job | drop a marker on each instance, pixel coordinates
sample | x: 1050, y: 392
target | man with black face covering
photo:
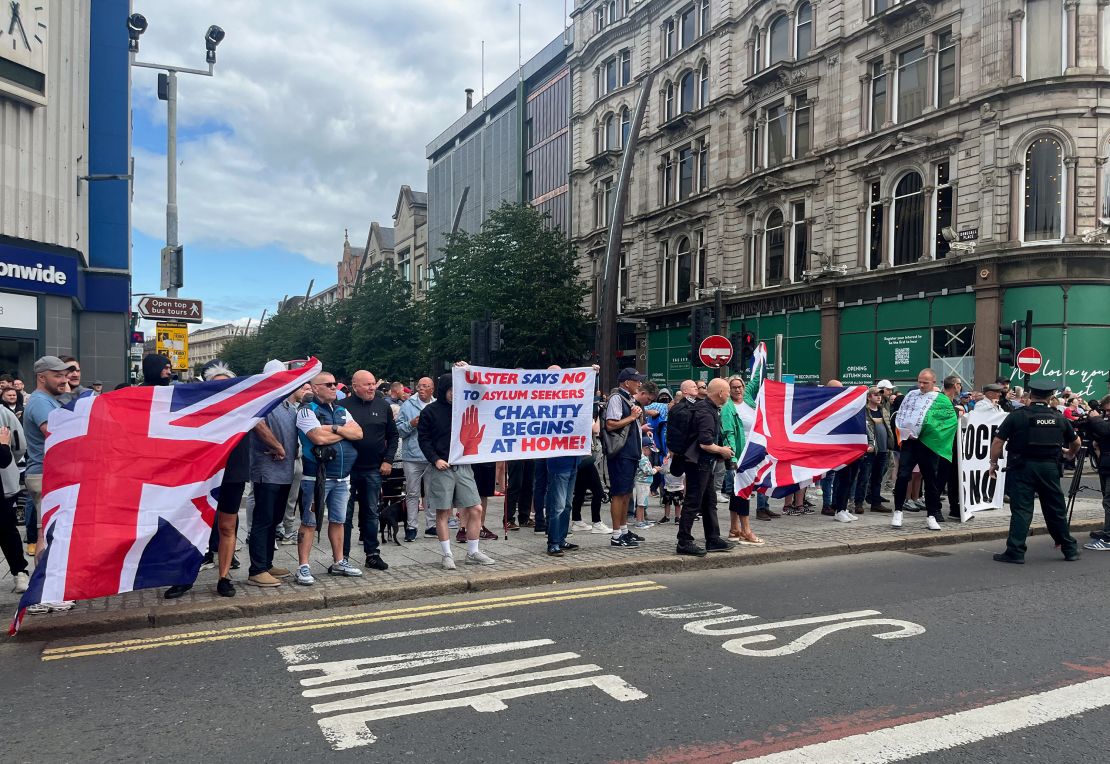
x: 449, y: 485
x: 156, y: 371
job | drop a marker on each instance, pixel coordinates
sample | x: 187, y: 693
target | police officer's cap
x: 1042, y: 387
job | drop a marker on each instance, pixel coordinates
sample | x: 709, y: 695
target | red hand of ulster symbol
x: 471, y: 433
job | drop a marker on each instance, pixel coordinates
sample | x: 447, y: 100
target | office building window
x: 610, y: 132
x: 943, y: 212
x: 878, y: 95
x: 703, y: 85
x: 1044, y: 190
x: 666, y: 275
x: 687, y: 23
x: 704, y: 16
x: 700, y: 259
x: 626, y: 126
x: 686, y: 92
x: 946, y: 68
x: 803, y: 31
x: 909, y: 219
x: 604, y: 207
x: 703, y: 166
x: 668, y: 179
x: 803, y: 126
x: 911, y: 84
x: 775, y: 245
x: 668, y: 102
x: 778, y: 40
x: 684, y: 269
x: 875, y: 226
x: 1045, y: 26
x: 669, y: 38
x: 776, y: 134
x: 626, y: 66
x: 610, y: 75
x: 800, y: 235
x: 685, y: 172
x: 757, y: 53
x: 623, y: 289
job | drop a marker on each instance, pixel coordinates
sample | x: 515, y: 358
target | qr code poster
x: 903, y: 354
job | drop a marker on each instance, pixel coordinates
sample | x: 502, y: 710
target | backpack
x: 678, y: 426
x: 613, y: 442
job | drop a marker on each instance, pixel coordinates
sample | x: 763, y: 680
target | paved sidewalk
x: 521, y: 561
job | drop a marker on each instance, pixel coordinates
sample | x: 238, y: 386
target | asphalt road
x: 636, y: 670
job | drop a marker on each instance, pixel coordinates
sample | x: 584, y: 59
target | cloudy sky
x: 318, y: 112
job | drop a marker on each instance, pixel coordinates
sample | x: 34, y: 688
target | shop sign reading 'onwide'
x: 171, y: 309
x: 40, y: 272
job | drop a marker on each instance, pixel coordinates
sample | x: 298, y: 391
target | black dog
x: 390, y: 515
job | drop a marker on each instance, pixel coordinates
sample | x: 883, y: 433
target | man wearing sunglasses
x: 328, y: 426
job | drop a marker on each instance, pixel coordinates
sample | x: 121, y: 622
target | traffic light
x: 735, y: 365
x: 1008, y: 341
x: 495, y: 341
x: 746, y: 349
x: 701, y: 326
x: 479, y: 343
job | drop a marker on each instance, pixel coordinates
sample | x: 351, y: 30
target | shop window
x: 1043, y: 183
x: 909, y: 219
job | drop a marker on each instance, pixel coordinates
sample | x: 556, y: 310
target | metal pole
x: 171, y: 171
x: 607, y: 311
x: 778, y: 358
x: 1029, y: 341
x: 719, y: 313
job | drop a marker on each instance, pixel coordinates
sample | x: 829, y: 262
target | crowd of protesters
x: 342, y: 451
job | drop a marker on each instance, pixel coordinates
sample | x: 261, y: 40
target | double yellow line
x: 331, y: 622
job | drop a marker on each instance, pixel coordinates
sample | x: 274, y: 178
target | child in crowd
x: 674, y: 491
x: 645, y: 472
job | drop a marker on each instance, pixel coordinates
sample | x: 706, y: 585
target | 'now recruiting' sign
x: 503, y: 414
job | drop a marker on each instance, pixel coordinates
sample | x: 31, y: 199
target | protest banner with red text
x: 504, y: 414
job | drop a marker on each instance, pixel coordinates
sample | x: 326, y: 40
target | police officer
x: 1038, y: 436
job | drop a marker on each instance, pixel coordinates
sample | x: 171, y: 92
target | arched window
x: 668, y: 102
x: 686, y: 92
x: 610, y: 132
x: 703, y: 86
x: 684, y: 270
x: 626, y: 126
x: 776, y: 248
x: 909, y: 219
x: 803, y: 30
x: 1044, y: 190
x: 778, y: 40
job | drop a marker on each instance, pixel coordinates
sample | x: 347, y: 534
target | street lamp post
x: 173, y: 266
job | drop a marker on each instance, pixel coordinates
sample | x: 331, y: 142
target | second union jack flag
x: 131, y: 478
x: 799, y: 434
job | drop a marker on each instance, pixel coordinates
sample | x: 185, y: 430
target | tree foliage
x: 514, y: 270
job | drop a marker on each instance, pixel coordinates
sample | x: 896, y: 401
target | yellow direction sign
x: 172, y: 341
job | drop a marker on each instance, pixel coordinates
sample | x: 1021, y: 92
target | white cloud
x: 318, y: 111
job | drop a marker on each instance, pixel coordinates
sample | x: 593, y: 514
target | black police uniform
x: 1035, y: 435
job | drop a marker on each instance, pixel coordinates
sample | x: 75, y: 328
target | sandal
x: 751, y: 540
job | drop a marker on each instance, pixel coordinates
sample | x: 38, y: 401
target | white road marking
x: 941, y: 733
x: 739, y: 646
x: 693, y: 610
x: 702, y: 626
x: 308, y: 651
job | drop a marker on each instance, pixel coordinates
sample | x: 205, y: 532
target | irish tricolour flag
x: 931, y: 418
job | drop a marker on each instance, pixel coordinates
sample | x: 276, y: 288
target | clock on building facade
x: 23, y: 49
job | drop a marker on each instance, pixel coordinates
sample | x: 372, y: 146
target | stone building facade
x: 403, y: 246
x: 883, y: 183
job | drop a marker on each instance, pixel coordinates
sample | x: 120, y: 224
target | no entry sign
x: 1029, y: 360
x: 715, y: 351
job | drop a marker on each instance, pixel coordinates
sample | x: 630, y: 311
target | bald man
x: 703, y: 453
x: 417, y: 468
x: 376, y: 452
x: 678, y: 425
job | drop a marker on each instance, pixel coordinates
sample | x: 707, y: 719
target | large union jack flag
x: 131, y: 478
x: 798, y: 435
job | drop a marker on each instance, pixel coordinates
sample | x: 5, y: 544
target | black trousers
x: 588, y: 479
x: 518, y: 492
x: 915, y: 454
x: 10, y: 542
x: 951, y: 476
x: 842, y: 486
x: 701, y: 496
x: 269, y: 510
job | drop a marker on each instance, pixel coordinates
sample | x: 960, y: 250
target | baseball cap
x: 884, y: 383
x: 52, y: 363
x: 629, y: 373
x: 649, y: 442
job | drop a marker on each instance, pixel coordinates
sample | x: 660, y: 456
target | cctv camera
x: 136, y: 25
x: 949, y: 234
x: 213, y: 37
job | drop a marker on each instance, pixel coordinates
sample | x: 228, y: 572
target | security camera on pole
x: 173, y: 255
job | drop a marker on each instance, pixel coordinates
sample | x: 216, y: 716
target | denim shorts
x: 336, y: 493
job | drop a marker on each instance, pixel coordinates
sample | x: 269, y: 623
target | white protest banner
x: 978, y: 490
x: 503, y: 414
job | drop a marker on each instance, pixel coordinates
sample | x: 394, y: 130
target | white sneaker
x: 582, y: 527
x: 453, y: 523
x: 479, y: 558
x: 896, y: 519
x: 842, y: 517
x: 51, y: 607
x: 448, y: 562
x: 600, y: 527
x: 304, y: 576
x: 932, y: 524
x: 22, y: 581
